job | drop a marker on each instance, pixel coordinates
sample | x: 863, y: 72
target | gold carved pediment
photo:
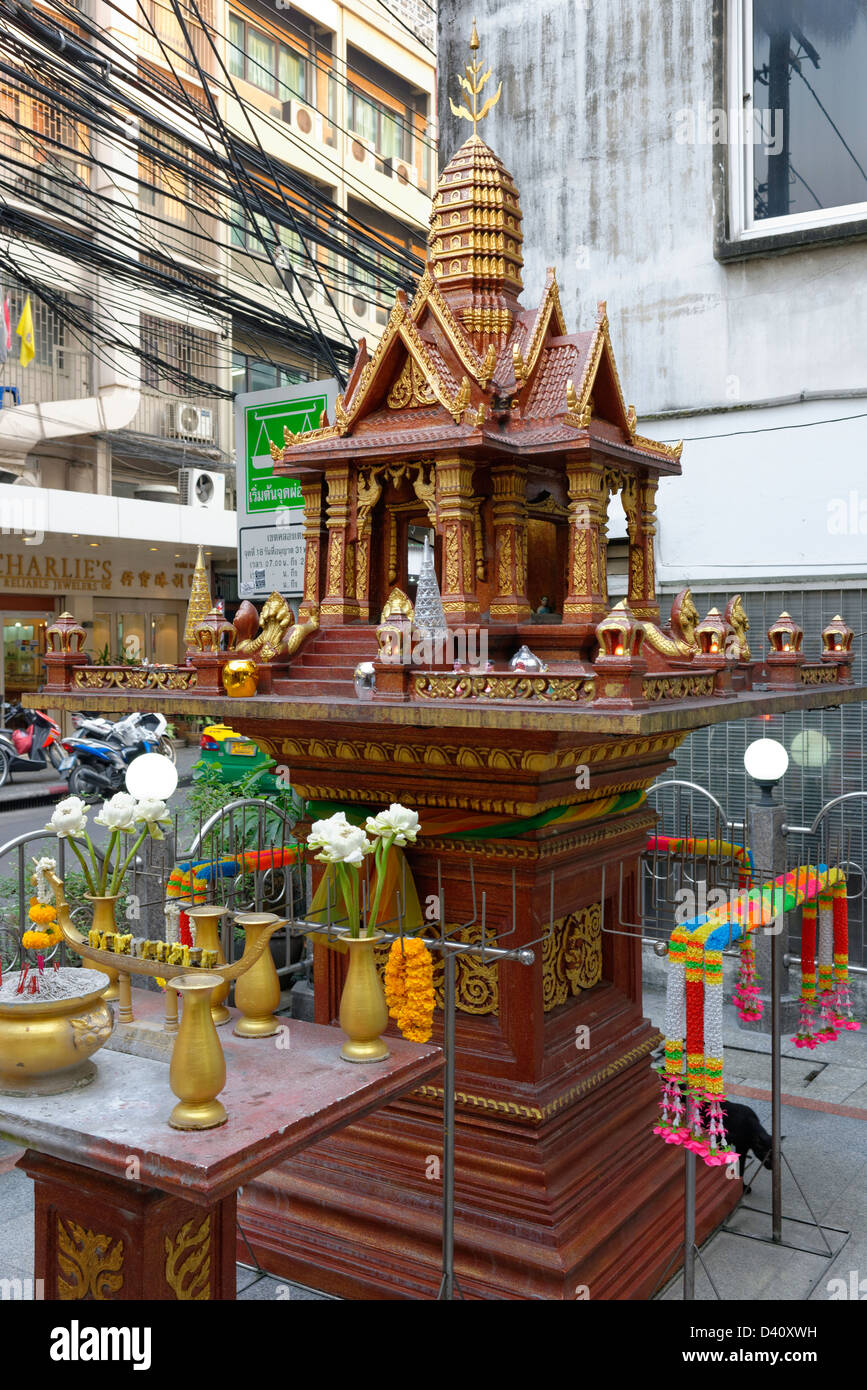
x: 411, y: 389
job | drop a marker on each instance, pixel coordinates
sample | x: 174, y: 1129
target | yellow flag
x: 25, y: 333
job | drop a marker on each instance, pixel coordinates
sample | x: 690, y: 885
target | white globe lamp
x: 151, y: 777
x: 766, y: 762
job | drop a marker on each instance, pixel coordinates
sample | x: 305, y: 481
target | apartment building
x: 199, y: 197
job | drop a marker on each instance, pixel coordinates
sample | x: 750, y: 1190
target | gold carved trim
x: 89, y: 1265
x: 572, y: 957
x: 677, y: 687
x: 188, y: 1261
x: 501, y: 687
x: 515, y: 1110
x: 477, y: 983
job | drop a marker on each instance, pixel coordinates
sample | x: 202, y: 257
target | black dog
x: 746, y: 1134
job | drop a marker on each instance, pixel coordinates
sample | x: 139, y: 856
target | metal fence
x: 826, y: 747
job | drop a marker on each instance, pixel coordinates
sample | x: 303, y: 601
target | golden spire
x: 472, y: 84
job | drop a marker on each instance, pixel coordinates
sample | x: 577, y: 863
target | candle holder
x: 197, y: 1073
x: 207, y: 919
x: 257, y: 993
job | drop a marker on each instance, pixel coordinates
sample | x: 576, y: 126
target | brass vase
x: 257, y: 993
x: 363, y: 1011
x: 103, y: 921
x: 207, y: 920
x: 197, y: 1073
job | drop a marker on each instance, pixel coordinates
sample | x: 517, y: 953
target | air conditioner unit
x: 360, y: 307
x: 189, y: 421
x: 402, y: 172
x: 202, y: 489
x: 362, y: 151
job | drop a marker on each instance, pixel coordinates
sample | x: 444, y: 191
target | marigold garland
x: 409, y: 991
x: 42, y: 914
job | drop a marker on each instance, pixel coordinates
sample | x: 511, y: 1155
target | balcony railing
x: 65, y: 375
x: 195, y: 420
x: 168, y: 35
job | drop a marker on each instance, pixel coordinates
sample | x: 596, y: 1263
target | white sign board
x: 270, y: 508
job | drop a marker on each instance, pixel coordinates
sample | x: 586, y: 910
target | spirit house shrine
x: 489, y: 435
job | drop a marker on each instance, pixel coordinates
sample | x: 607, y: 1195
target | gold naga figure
x: 273, y: 634
x: 679, y: 640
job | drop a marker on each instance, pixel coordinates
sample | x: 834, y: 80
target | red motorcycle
x: 29, y: 741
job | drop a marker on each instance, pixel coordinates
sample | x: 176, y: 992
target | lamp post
x: 766, y: 762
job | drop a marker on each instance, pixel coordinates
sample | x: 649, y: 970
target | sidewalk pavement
x: 42, y: 788
x: 825, y: 1141
x: 824, y: 1126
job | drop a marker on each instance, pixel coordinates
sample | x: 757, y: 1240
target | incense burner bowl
x: 46, y: 1044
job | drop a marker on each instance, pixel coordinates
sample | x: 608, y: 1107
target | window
x: 236, y: 46
x: 387, y: 130
x: 259, y: 59
x: 254, y: 234
x: 798, y: 153
x: 252, y: 374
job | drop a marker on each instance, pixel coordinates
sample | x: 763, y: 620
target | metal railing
x: 64, y: 375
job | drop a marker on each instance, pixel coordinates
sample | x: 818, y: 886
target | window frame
x: 247, y: 63
x: 401, y: 119
x: 738, y: 234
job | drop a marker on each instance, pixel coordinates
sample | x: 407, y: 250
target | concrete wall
x: 593, y: 92
x: 587, y: 126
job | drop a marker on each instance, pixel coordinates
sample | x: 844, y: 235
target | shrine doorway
x: 547, y: 556
x: 405, y: 525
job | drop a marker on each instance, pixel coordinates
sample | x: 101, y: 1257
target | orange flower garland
x: 43, y: 914
x: 409, y: 991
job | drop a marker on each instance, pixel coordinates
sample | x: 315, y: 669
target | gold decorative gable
x: 411, y: 389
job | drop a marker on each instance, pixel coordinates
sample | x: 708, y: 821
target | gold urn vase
x: 363, y: 1011
x: 197, y: 1073
x: 257, y: 993
x: 46, y: 1044
x: 103, y: 921
x: 207, y: 919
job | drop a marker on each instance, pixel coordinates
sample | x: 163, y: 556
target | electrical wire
x: 203, y: 293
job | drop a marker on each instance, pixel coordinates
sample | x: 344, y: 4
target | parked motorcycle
x: 128, y: 730
x: 97, y: 767
x: 29, y: 742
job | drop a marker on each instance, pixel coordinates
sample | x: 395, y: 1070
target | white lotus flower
x: 119, y: 813
x: 338, y: 841
x: 398, y: 824
x: 69, y: 819
x: 153, y: 812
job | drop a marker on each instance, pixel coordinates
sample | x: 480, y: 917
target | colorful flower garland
x: 409, y: 991
x: 693, y: 1090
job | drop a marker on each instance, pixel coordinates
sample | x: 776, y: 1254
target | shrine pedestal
x: 561, y: 1186
x: 129, y: 1209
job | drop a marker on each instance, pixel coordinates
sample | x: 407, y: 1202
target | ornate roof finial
x: 472, y: 85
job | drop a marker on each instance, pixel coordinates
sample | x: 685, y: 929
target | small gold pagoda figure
x: 200, y: 601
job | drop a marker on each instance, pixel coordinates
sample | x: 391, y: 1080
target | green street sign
x: 263, y: 425
x: 270, y: 512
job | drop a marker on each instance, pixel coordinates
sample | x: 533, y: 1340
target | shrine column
x: 510, y: 603
x: 642, y: 529
x: 586, y: 579
x: 455, y: 523
x: 368, y: 491
x: 339, y: 605
x: 314, y: 547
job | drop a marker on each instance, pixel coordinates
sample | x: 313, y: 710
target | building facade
x: 703, y: 166
x: 198, y: 199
